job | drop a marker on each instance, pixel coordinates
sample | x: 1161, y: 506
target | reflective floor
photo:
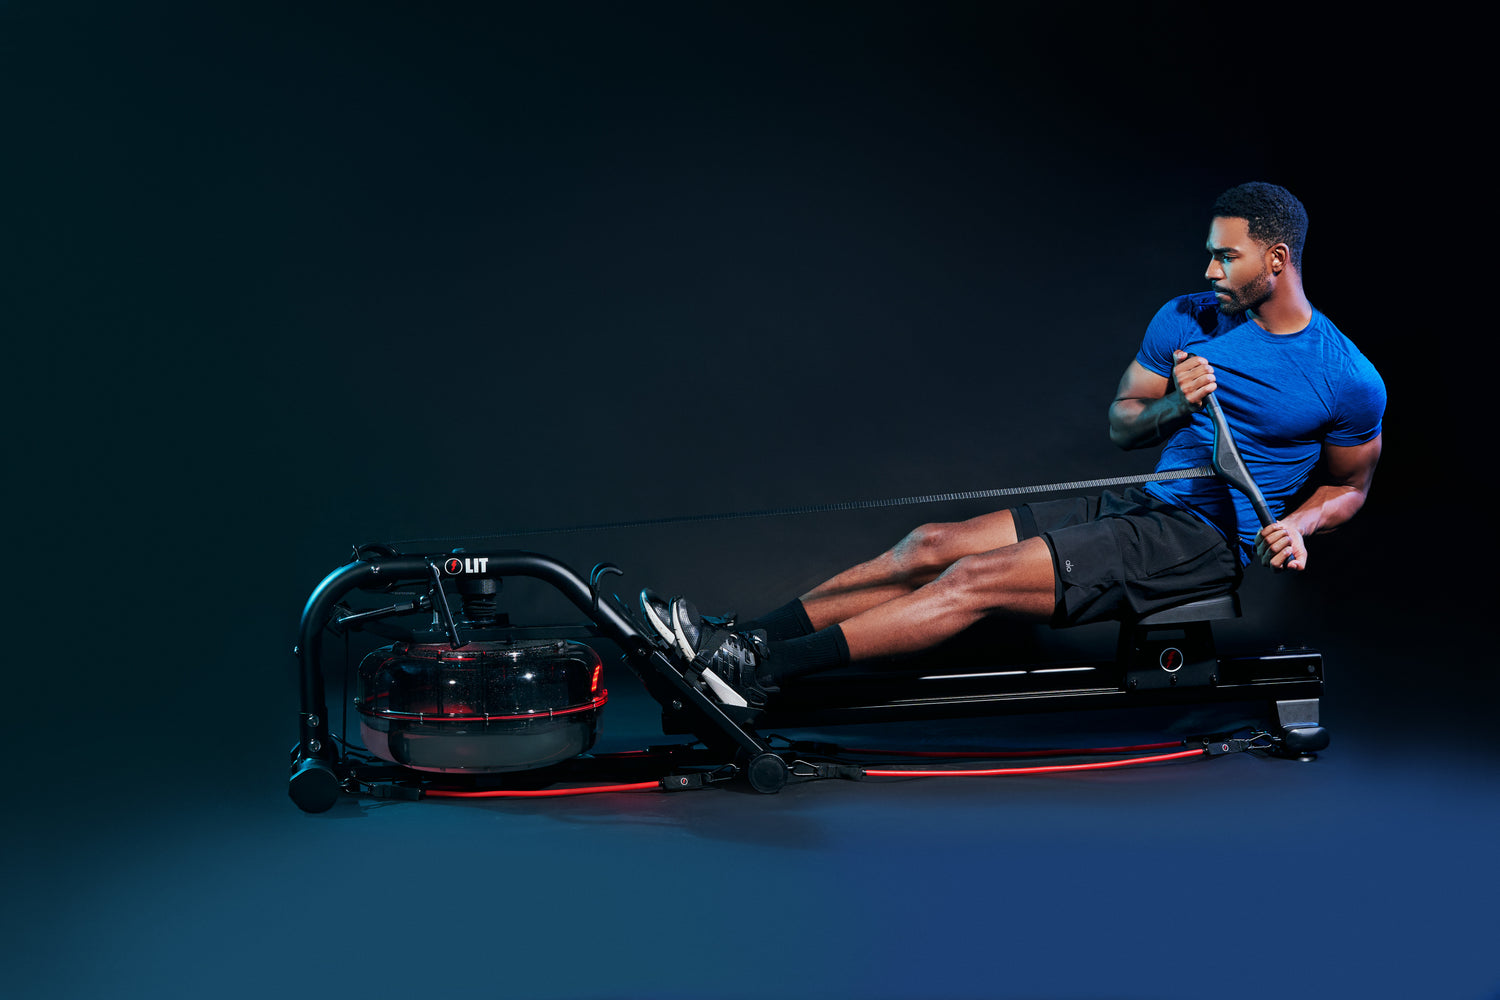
x: 1370, y: 872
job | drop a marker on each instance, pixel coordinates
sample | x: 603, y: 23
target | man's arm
x: 1149, y: 408
x: 1347, y: 473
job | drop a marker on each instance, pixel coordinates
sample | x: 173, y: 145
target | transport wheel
x: 766, y: 773
x: 314, y: 786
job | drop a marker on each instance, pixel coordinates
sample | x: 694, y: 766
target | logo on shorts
x: 1068, y: 565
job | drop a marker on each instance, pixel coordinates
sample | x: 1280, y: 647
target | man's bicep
x: 1352, y: 465
x: 1140, y: 382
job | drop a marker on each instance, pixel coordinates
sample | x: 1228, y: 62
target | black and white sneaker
x: 658, y: 615
x: 657, y: 612
x: 729, y: 661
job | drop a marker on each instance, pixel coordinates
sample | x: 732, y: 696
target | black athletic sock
x: 808, y: 654
x: 789, y: 621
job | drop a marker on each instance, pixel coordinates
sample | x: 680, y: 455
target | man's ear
x: 1281, y: 255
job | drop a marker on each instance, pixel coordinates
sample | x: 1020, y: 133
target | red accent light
x: 544, y: 793
x: 598, y: 702
x: 999, y: 754
x: 597, y: 676
x: 1097, y: 766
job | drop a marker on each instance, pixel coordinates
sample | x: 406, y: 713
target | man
x: 1297, y: 394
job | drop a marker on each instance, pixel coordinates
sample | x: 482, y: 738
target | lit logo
x: 454, y: 566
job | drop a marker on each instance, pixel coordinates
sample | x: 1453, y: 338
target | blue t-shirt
x: 1284, y: 396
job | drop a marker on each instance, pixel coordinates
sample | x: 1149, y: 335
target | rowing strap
x: 1200, y: 472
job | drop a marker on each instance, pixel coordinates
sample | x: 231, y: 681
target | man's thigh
x: 984, y: 533
x: 1132, y: 556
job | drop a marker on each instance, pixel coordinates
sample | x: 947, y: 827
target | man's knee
x: 971, y: 575
x: 925, y: 550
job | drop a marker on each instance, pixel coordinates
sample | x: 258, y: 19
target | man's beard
x: 1247, y: 298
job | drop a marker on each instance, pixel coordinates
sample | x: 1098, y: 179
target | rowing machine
x: 474, y: 695
x: 469, y: 696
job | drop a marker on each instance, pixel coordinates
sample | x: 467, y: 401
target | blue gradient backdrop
x: 286, y: 277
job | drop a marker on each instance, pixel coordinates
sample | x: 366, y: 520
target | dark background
x: 287, y: 278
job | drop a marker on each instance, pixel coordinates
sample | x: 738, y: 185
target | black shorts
x: 1126, y: 555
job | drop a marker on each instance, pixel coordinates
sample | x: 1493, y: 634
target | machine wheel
x: 766, y: 773
x: 314, y: 786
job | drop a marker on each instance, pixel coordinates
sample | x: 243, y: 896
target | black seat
x: 1209, y: 609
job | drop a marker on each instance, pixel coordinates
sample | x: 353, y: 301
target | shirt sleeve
x: 1164, y: 334
x: 1361, y: 406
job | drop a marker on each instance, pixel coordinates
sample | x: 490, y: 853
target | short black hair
x: 1274, y: 213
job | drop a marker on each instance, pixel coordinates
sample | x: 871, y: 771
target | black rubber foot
x: 314, y: 786
x: 1304, y: 740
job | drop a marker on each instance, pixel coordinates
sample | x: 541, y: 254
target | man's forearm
x: 1326, y: 509
x: 1141, y: 423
